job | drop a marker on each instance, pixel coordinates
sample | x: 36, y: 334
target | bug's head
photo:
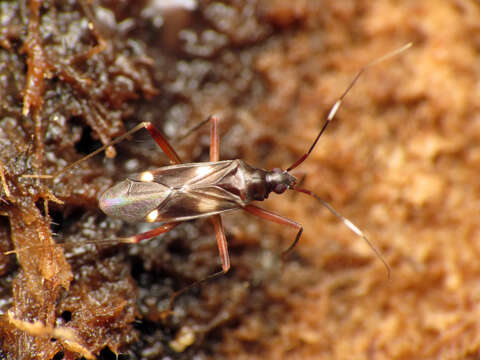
x: 280, y: 180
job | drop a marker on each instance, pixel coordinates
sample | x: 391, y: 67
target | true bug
x: 185, y: 191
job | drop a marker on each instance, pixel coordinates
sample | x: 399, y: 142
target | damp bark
x: 401, y: 162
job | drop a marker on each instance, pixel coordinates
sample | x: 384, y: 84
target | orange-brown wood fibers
x: 400, y: 162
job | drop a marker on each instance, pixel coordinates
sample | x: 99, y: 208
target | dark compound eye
x: 280, y: 188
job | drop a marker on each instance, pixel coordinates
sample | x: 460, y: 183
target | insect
x: 184, y: 191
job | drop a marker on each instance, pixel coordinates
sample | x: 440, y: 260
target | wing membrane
x: 195, y: 189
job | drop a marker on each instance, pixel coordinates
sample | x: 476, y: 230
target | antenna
x: 336, y: 106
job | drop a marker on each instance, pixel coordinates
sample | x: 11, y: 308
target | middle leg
x: 217, y: 219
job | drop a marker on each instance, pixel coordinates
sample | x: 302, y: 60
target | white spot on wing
x: 152, y: 216
x: 146, y: 176
x: 203, y: 207
x: 202, y: 170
